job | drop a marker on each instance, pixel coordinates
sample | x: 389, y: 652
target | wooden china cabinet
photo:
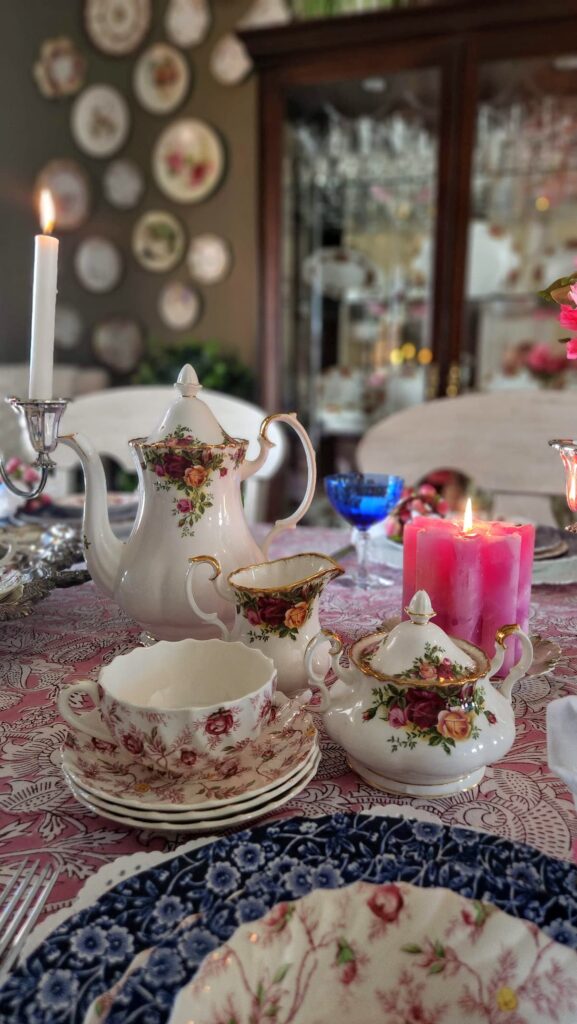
x: 418, y: 182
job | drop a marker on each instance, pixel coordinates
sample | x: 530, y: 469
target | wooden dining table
x: 73, y: 632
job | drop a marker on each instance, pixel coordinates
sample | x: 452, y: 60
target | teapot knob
x: 420, y: 610
x: 187, y: 382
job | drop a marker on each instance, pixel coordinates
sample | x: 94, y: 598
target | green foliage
x: 220, y: 371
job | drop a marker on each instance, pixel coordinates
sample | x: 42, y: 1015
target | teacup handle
x: 211, y: 617
x: 84, y: 722
x: 518, y: 670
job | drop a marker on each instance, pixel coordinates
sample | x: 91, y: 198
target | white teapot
x: 190, y: 473
x: 415, y: 709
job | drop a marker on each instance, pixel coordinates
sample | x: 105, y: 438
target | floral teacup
x: 276, y: 609
x: 164, y: 705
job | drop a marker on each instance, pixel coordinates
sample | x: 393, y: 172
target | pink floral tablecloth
x: 73, y: 632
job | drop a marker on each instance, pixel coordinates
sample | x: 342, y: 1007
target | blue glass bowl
x: 363, y: 498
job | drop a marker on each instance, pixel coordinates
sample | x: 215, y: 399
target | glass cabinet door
x: 523, y: 227
x: 360, y: 184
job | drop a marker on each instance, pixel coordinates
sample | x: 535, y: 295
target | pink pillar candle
x: 478, y: 580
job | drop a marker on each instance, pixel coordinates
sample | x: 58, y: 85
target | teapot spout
x: 102, y: 549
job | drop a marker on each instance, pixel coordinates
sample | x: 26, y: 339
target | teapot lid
x: 416, y: 650
x: 188, y: 416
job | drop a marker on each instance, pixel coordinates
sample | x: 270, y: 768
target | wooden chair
x: 499, y: 440
x: 111, y: 418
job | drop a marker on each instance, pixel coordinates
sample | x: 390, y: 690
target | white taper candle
x: 43, y: 303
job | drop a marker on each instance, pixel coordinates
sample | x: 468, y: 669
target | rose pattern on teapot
x: 278, y: 613
x: 185, y: 465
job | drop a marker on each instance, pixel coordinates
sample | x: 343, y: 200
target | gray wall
x: 34, y: 130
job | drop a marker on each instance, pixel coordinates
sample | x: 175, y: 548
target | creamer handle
x: 317, y: 681
x: 211, y: 617
x: 518, y: 670
x: 291, y: 521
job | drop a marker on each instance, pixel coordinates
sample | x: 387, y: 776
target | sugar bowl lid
x: 188, y: 417
x: 415, y: 651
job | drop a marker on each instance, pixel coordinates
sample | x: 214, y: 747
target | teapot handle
x: 518, y: 670
x: 291, y: 521
x: 316, y: 680
x: 211, y: 617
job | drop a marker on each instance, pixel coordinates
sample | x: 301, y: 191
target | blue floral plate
x: 238, y: 878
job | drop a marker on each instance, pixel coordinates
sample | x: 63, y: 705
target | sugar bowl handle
x: 89, y: 722
x: 520, y: 668
x: 211, y: 617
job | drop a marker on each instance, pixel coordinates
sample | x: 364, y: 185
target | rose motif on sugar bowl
x: 415, y: 709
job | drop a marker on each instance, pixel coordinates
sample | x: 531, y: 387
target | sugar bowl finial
x: 420, y: 610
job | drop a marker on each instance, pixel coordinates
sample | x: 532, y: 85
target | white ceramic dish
x: 188, y: 160
x: 187, y: 22
x: 389, y: 952
x: 98, y: 264
x: 278, y: 752
x: 179, y: 305
x: 161, y: 79
x: 158, y: 241
x: 100, y: 120
x: 207, y: 814
x: 117, y: 27
x: 70, y: 189
x: 230, y: 820
x: 209, y: 259
x: 123, y: 184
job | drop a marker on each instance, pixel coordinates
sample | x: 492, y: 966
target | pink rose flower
x: 279, y: 917
x: 397, y: 717
x: 427, y: 671
x: 184, y: 505
x: 223, y: 472
x: 272, y: 610
x: 13, y: 464
x: 445, y: 669
x: 571, y: 349
x: 541, y: 359
x: 253, y: 617
x: 159, y: 469
x: 188, y: 757
x: 491, y: 718
x: 174, y: 161
x: 348, y: 972
x: 133, y: 744
x: 423, y: 707
x: 199, y: 172
x: 219, y: 723
x: 427, y: 491
x: 175, y: 465
x: 568, y: 318
x: 30, y: 476
x: 386, y: 902
x: 103, y: 745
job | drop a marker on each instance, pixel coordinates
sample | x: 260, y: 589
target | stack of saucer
x: 253, y: 779
x: 10, y: 584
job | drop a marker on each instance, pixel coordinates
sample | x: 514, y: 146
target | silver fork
x: 20, y: 905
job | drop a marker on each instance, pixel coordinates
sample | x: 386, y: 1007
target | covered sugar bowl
x: 415, y: 709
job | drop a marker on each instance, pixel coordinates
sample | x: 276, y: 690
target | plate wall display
x: 188, y: 160
x: 98, y: 264
x: 123, y: 184
x: 230, y: 63
x: 209, y: 258
x: 117, y: 27
x: 118, y: 343
x: 70, y: 188
x: 67, y: 327
x: 187, y: 22
x: 446, y: 957
x: 60, y: 69
x: 158, y: 241
x: 263, y: 13
x: 179, y: 306
x: 100, y: 121
x: 161, y: 79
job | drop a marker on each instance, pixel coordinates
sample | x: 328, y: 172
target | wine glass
x: 364, y: 499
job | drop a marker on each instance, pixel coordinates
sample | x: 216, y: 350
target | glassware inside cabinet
x: 360, y: 182
x: 522, y: 233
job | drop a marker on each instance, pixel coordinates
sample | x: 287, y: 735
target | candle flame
x: 47, y: 212
x: 468, y: 517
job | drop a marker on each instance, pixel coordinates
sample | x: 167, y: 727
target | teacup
x: 164, y: 705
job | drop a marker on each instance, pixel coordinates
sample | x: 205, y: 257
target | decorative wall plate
x: 161, y: 79
x: 60, y: 68
x: 179, y: 306
x: 230, y: 63
x: 98, y: 264
x: 187, y: 22
x: 123, y: 184
x: 70, y: 188
x: 209, y: 258
x: 68, y: 326
x: 188, y: 160
x: 118, y: 343
x: 117, y: 27
x: 158, y: 240
x: 100, y: 120
x: 264, y: 13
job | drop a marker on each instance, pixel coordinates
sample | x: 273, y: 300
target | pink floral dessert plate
x: 384, y: 954
x: 247, y: 769
x: 228, y: 817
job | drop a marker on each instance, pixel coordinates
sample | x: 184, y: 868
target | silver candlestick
x: 42, y: 422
